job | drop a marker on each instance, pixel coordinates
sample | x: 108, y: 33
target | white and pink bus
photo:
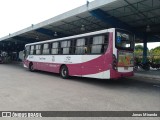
x: 105, y: 54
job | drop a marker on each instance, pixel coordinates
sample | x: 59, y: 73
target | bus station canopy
x: 142, y: 17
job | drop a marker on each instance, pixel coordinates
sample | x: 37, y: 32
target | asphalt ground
x: 152, y: 73
x: 22, y: 90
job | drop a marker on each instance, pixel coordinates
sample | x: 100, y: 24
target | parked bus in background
x: 104, y: 54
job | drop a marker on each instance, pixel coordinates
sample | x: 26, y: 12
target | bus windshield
x: 124, y: 40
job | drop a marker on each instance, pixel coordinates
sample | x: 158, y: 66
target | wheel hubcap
x: 32, y: 67
x: 64, y: 72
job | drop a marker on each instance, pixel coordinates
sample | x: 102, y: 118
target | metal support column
x: 144, y: 50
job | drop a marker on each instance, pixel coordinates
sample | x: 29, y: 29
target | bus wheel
x: 64, y: 72
x: 31, y: 67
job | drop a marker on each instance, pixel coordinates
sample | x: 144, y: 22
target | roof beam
x: 126, y: 5
x: 142, y: 20
x: 89, y: 21
x: 16, y: 41
x: 153, y: 38
x: 10, y: 46
x: 74, y: 25
x: 46, y: 32
x: 136, y: 9
x: 49, y: 32
x: 136, y: 12
x: 105, y: 17
x: 29, y: 40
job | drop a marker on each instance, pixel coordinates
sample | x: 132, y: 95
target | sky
x: 16, y: 15
x: 19, y: 14
x: 151, y: 45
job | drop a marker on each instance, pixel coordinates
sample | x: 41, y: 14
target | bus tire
x: 31, y: 67
x: 64, y: 72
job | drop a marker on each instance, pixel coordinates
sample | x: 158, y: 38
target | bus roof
x: 75, y: 36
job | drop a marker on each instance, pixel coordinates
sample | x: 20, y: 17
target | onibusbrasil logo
x: 21, y: 114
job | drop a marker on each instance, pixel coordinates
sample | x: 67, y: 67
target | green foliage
x: 139, y: 47
x: 138, y: 51
x: 155, y: 51
x: 153, y: 54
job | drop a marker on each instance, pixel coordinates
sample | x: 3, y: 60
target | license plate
x: 125, y: 68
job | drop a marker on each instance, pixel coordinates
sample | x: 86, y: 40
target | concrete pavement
x: 151, y: 74
x: 23, y: 90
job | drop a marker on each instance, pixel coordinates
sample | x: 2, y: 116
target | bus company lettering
x: 31, y: 57
x: 68, y: 59
x: 42, y: 58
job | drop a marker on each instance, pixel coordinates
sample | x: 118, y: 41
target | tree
x: 139, y: 47
x: 155, y: 51
x: 138, y: 51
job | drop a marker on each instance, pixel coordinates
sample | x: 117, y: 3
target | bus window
x: 97, y: 43
x: 38, y: 49
x: 80, y: 46
x: 32, y: 50
x: 45, y: 50
x: 54, y: 49
x: 65, y: 47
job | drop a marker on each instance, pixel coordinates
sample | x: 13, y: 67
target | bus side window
x: 65, y: 47
x: 32, y: 50
x: 38, y: 49
x: 80, y: 46
x: 97, y: 44
x: 54, y: 48
x: 45, y: 50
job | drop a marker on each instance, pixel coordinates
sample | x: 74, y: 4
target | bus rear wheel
x: 31, y: 67
x: 64, y: 72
